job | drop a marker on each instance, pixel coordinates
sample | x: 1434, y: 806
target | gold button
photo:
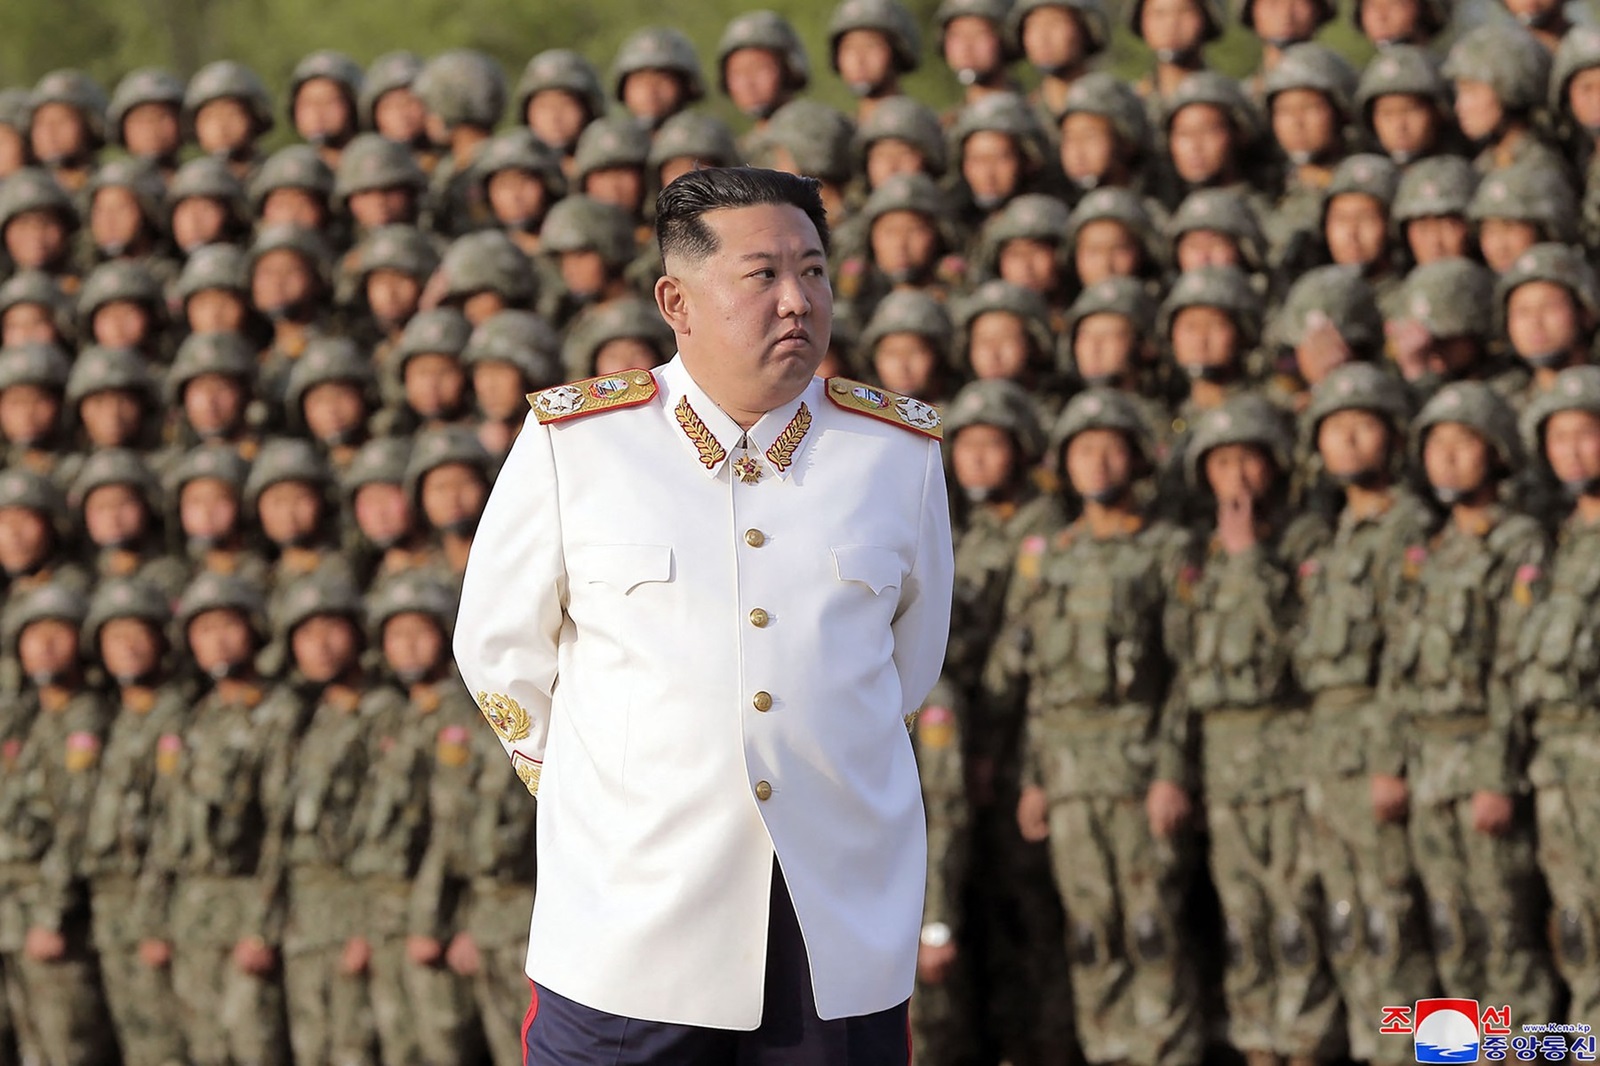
x: 755, y: 538
x: 763, y: 790
x: 763, y: 701
x: 759, y: 618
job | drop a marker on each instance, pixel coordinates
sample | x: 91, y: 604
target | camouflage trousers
x: 330, y: 1012
x: 943, y: 1016
x: 1565, y: 770
x: 1134, y: 986
x: 229, y: 1018
x: 423, y: 1014
x: 143, y: 1011
x: 1375, y: 926
x: 57, y: 1008
x: 1484, y: 902
x: 498, y: 923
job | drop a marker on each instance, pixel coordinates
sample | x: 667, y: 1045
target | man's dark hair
x: 680, y: 229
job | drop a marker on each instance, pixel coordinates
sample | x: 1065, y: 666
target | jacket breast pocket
x: 873, y: 566
x: 623, y: 567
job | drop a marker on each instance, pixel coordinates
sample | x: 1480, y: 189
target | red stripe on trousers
x: 909, y: 1050
x: 527, y: 1019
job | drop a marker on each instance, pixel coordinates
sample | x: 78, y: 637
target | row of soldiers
x: 238, y: 389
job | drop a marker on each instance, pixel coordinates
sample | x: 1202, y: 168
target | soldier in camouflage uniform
x: 1003, y: 331
x: 145, y: 117
x: 810, y: 138
x: 1519, y: 206
x: 384, y: 531
x: 122, y: 212
x: 112, y: 401
x: 33, y: 381
x: 229, y: 110
x: 559, y: 94
x: 205, y: 515
x: 687, y: 141
x: 1329, y: 317
x: 290, y: 285
x: 67, y: 127
x: 1429, y: 210
x: 294, y: 186
x: 465, y: 94
x: 901, y: 136
x: 974, y: 44
x: 1059, y: 43
x: 1219, y: 227
x: 1103, y: 134
x: 116, y: 503
x: 907, y: 245
x: 1443, y: 331
x: 1554, y: 670
x: 34, y: 545
x: 37, y: 223
x: 331, y: 397
x: 378, y: 183
x: 288, y: 498
x: 1549, y: 301
x: 1081, y: 666
x: 1501, y: 75
x: 125, y: 633
x: 1213, y: 134
x: 761, y: 64
x: 1023, y: 244
x: 1111, y: 232
x: 53, y: 750
x: 323, y: 93
x: 203, y: 884
x: 385, y: 275
x: 206, y: 205
x: 447, y: 482
x: 871, y: 45
x: 1448, y: 667
x: 1404, y: 102
x: 509, y: 356
x: 33, y: 308
x: 906, y: 346
x: 625, y: 334
x: 123, y: 305
x: 484, y: 273
x: 1236, y: 719
x: 1375, y: 929
x: 1355, y: 229
x: 1176, y: 40
x: 1313, y: 89
x: 656, y: 74
x: 387, y: 104
x: 209, y: 389
x: 586, y: 250
x: 1575, y: 118
x: 16, y: 105
x: 610, y: 165
x: 999, y: 150
x: 424, y: 379
x: 1107, y: 342
x: 521, y: 178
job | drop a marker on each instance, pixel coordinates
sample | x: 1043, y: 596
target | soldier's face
x: 333, y: 410
x: 905, y: 363
x: 1103, y: 346
x: 290, y: 511
x: 13, y: 151
x: 653, y: 95
x: 24, y: 538
x: 412, y: 644
x: 865, y: 60
x: 584, y: 273
x: 1438, y: 237
x: 452, y: 496
x: 1099, y: 462
x: 36, y: 240
x: 281, y: 279
x: 1206, y: 247
x: 220, y: 639
x: 57, y: 133
x: 1172, y: 25
x: 1455, y: 457
x: 992, y: 167
x: 1285, y: 21
x: 890, y: 157
x: 1303, y: 123
x: 1088, y: 145
x: 972, y: 48
x: 295, y: 207
x: 498, y: 388
x: 1204, y: 336
x: 198, y: 221
x: 383, y: 514
x: 434, y: 384
x: 1390, y: 21
x: 999, y: 346
x: 322, y: 113
x: 115, y: 219
x: 1406, y: 125
x: 983, y: 458
x: 208, y: 508
x: 904, y: 244
x: 619, y: 186
x: 1353, y: 442
x: 1053, y: 39
x: 223, y: 126
x: 28, y: 413
x: 121, y: 324
x: 151, y: 131
x: 213, y: 404
x: 556, y: 117
x: 28, y: 324
x: 400, y: 116
x: 1572, y: 445
x: 324, y: 646
x: 372, y: 208
x: 111, y: 418
x: 625, y: 353
x: 48, y: 647
x: 392, y: 297
x: 1357, y: 229
x: 1031, y: 264
x: 115, y: 516
x: 1542, y: 318
x: 1503, y: 240
x: 1239, y: 472
x: 1583, y: 97
x: 1200, y: 141
x: 754, y: 77
x: 482, y: 306
x: 130, y: 648
x: 1105, y: 249
x: 517, y: 197
x: 1478, y: 109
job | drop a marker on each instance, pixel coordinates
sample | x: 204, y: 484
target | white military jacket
x: 700, y: 651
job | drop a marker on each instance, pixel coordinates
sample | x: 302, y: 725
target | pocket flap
x: 622, y: 566
x: 875, y: 567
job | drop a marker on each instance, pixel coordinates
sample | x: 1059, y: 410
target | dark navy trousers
x: 559, y: 1032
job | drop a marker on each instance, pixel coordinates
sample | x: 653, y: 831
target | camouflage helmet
x: 1029, y: 217
x: 205, y: 177
x: 42, y: 365
x: 563, y: 69
x: 438, y: 447
x: 16, y: 109
x: 1216, y: 18
x: 1224, y: 288
x: 816, y: 135
x: 1366, y: 174
x: 335, y: 67
x: 286, y: 236
x: 1102, y: 93
x: 410, y: 593
x: 1561, y: 264
x: 121, y: 279
x: 227, y: 80
x: 617, y: 141
x: 78, y: 91
x: 580, y: 224
x: 1004, y: 113
x: 140, y: 177
x: 1127, y: 297
x: 297, y: 166
x: 1100, y: 409
x: 1208, y: 88
x: 1402, y: 70
x: 48, y: 603
x: 1579, y: 51
x: 904, y: 118
x: 629, y: 318
x: 1225, y: 211
x: 1531, y: 192
x: 1327, y: 11
x: 390, y: 71
x: 914, y: 192
x: 34, y: 189
x: 519, y: 149
x: 326, y: 360
x: 34, y: 287
x: 214, y: 266
x: 371, y: 161
x: 1507, y: 58
x: 1435, y: 187
x: 1337, y: 295
x: 488, y: 261
x: 25, y: 490
x: 1003, y: 405
x: 1450, y: 297
x: 284, y: 459
x: 771, y: 32
x: 124, y: 597
x: 1576, y: 388
x: 206, y: 462
x: 1247, y: 418
x: 888, y: 17
x: 693, y: 135
x: 380, y: 461
x: 99, y: 369
x: 993, y: 12
x: 1313, y: 66
x: 1092, y: 20
x: 439, y: 331
x: 1001, y: 296
x: 659, y: 48
x: 227, y: 355
x: 114, y: 466
x: 521, y: 338
x: 909, y: 311
x: 404, y: 249
x: 1356, y: 387
x: 462, y: 87
x: 147, y: 85
x: 211, y: 591
x: 1478, y: 407
x: 316, y: 596
x: 1124, y: 206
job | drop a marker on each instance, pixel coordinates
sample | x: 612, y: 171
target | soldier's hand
x: 252, y: 956
x: 1033, y: 814
x: 1408, y: 342
x: 1491, y: 813
x: 1236, y: 523
x: 424, y: 950
x: 462, y: 956
x: 155, y: 954
x: 1321, y: 349
x: 44, y: 945
x: 1167, y: 806
x: 934, y: 964
x: 1389, y: 798
x: 495, y: 436
x: 356, y: 956
x: 433, y: 292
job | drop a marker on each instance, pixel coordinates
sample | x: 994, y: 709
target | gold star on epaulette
x: 606, y: 393
x: 907, y: 412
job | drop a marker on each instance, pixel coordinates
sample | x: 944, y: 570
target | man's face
x: 1406, y: 125
x: 653, y: 95
x: 322, y: 113
x: 1542, y: 319
x: 972, y: 47
x: 1088, y: 145
x: 753, y: 318
x: 1200, y: 141
x: 115, y: 219
x: 1357, y: 229
x: 383, y: 513
x: 151, y: 131
x: 1572, y: 445
x: 1437, y: 237
x: 1053, y: 38
x: 208, y: 508
x: 983, y: 458
x: 865, y: 60
x: 400, y: 116
x: 58, y: 133
x: 556, y: 117
x: 1390, y: 21
x: 1456, y: 458
x: 754, y: 77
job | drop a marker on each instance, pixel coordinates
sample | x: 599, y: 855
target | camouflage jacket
x: 936, y: 737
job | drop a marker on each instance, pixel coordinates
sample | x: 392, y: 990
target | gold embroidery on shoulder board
x: 699, y: 434
x: 781, y: 454
x: 506, y: 715
x: 607, y: 393
x: 904, y: 411
x: 527, y: 769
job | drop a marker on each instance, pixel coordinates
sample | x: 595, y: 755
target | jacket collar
x: 771, y: 447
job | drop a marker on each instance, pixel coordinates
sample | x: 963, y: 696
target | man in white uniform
x: 702, y: 608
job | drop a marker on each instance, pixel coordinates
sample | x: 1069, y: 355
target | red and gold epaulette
x: 904, y: 411
x: 606, y: 393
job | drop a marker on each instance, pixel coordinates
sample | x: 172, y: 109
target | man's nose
x: 792, y: 299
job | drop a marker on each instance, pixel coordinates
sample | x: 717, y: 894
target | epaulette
x: 904, y: 411
x: 606, y: 393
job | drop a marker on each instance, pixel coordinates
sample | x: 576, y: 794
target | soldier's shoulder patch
x: 936, y: 726
x: 591, y: 395
x: 83, y: 751
x: 904, y: 411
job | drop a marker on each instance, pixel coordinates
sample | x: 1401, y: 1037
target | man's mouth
x: 795, y: 337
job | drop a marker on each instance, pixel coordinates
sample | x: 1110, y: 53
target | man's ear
x: 672, y: 300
